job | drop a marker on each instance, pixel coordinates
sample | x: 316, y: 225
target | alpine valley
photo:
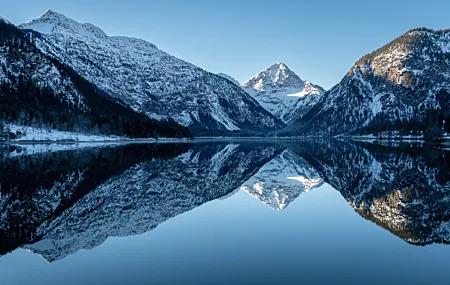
x: 67, y: 76
x: 122, y: 164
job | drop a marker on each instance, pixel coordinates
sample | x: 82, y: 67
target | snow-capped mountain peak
x: 277, y: 75
x: 52, y: 22
x: 51, y: 13
x: 282, y: 92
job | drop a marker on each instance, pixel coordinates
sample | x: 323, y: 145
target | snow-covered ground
x: 47, y: 135
x: 32, y: 140
x: 395, y: 135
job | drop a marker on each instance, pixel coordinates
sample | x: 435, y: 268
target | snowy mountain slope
x: 39, y: 134
x: 282, y: 180
x: 20, y: 58
x: 280, y: 91
x: 230, y: 78
x: 37, y: 90
x: 149, y: 80
x: 4, y: 20
x: 401, y: 86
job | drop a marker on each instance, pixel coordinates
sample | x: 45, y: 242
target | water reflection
x: 57, y: 203
x: 282, y: 180
x: 404, y: 189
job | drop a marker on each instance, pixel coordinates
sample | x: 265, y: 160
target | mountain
x: 280, y: 181
x: 37, y: 90
x: 403, y: 86
x: 230, y: 78
x: 149, y: 80
x: 4, y: 20
x: 280, y: 91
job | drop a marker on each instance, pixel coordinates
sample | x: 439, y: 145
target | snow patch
x: 40, y: 134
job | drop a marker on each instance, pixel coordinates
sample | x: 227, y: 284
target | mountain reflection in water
x: 57, y: 203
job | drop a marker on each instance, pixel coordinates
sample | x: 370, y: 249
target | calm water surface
x: 225, y: 212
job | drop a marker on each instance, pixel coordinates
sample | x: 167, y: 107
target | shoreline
x: 96, y: 141
x: 443, y: 140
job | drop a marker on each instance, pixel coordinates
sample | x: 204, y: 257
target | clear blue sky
x: 319, y: 40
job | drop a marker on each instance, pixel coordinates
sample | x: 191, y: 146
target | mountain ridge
x: 230, y: 78
x: 399, y: 88
x: 282, y: 92
x: 402, y: 86
x: 149, y: 80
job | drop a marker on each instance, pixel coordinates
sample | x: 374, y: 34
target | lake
x: 225, y: 212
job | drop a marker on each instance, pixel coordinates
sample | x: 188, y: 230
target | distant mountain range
x: 401, y: 89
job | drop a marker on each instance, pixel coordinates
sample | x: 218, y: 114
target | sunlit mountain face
x: 56, y: 202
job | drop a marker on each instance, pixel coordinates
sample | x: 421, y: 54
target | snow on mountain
x: 397, y: 87
x: 280, y: 91
x: 230, y: 78
x: 37, y: 90
x: 27, y: 63
x: 149, y: 80
x: 4, y: 20
x: 25, y: 133
x: 282, y: 180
